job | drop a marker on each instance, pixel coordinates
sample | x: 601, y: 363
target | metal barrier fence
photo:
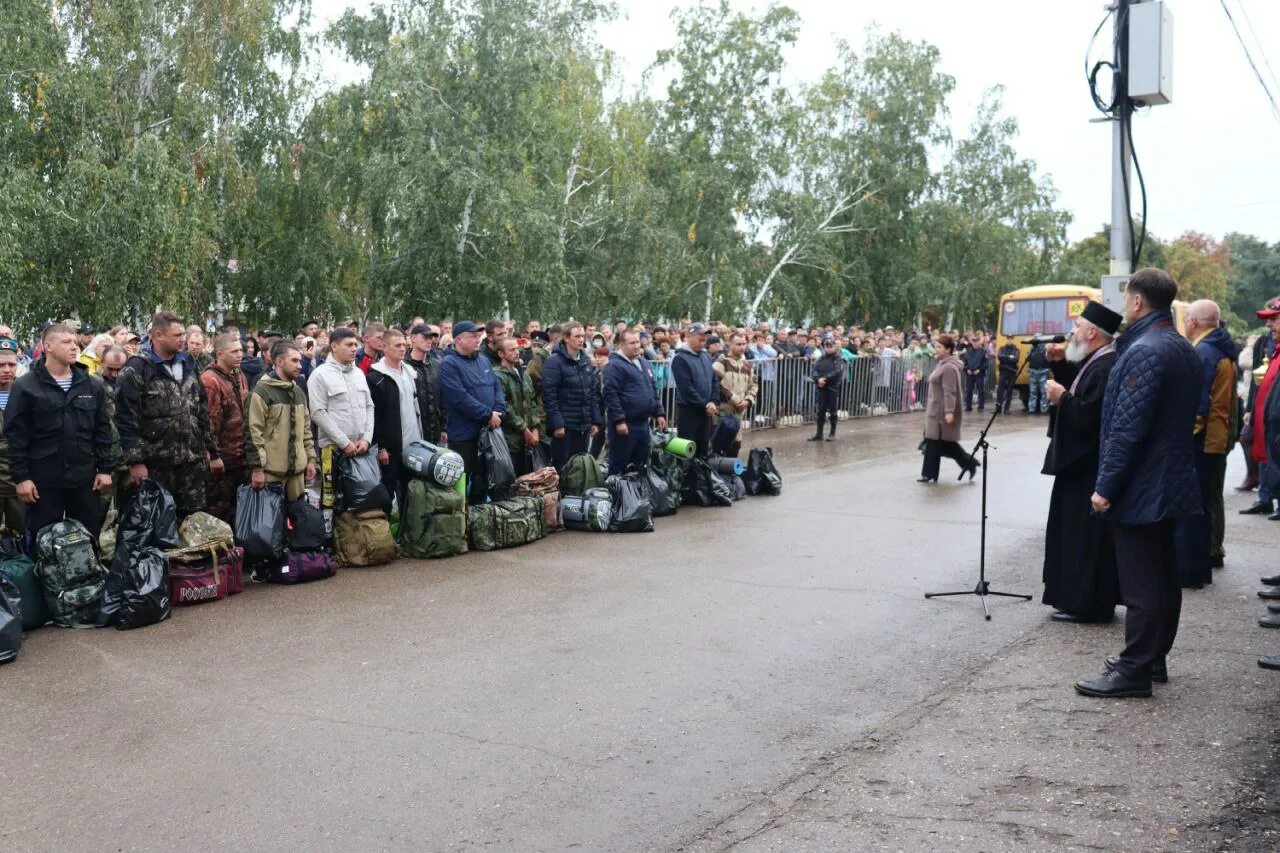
x: 872, y: 385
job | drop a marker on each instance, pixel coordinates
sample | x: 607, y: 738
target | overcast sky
x: 1210, y: 156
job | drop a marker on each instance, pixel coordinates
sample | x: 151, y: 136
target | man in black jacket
x: 976, y: 361
x: 828, y: 373
x: 1008, y: 357
x: 630, y: 400
x: 59, y: 436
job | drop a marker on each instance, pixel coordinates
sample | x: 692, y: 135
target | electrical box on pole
x: 1113, y: 292
x: 1150, y: 71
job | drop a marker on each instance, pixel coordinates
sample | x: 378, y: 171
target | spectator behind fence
x: 630, y: 399
x: 59, y: 435
x: 571, y: 395
x: 473, y: 401
x: 697, y: 389
x: 162, y: 413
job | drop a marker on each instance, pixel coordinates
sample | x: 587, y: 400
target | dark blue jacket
x: 1211, y: 350
x: 470, y: 393
x: 1146, y: 464
x: 630, y: 394
x: 571, y: 391
x: 696, y: 382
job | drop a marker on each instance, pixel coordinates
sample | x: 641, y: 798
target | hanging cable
x: 1275, y: 107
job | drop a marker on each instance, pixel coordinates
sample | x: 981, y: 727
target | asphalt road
x: 766, y: 676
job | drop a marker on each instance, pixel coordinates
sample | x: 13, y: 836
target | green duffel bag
x: 22, y: 571
x: 506, y: 524
x: 580, y: 473
x: 433, y: 522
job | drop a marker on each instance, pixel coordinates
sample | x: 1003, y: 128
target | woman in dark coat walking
x: 944, y: 414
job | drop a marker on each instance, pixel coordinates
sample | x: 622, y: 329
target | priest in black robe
x: 1080, y: 579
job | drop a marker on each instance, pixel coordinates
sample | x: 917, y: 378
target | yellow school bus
x: 1048, y: 309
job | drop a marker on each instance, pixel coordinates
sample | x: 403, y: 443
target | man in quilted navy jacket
x: 1147, y: 478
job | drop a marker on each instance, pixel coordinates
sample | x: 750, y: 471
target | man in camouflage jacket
x: 522, y: 422
x: 162, y: 414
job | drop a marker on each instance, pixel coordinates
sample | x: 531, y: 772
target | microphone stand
x: 983, y: 589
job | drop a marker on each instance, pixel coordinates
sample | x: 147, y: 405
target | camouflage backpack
x: 202, y: 535
x: 433, y: 522
x: 580, y: 473
x: 72, y: 578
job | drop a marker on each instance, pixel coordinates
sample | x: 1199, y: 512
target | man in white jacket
x: 341, y: 407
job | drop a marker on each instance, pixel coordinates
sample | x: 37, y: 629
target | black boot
x: 818, y: 436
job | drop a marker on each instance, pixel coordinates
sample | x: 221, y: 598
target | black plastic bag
x: 499, y: 470
x: 761, y: 476
x: 632, y: 508
x: 538, y: 457
x: 149, y: 520
x: 703, y: 488
x: 150, y: 517
x: 732, y: 483
x: 144, y: 598
x: 663, y: 499
x: 260, y: 522
x: 306, y: 526
x: 360, y: 482
x: 10, y: 619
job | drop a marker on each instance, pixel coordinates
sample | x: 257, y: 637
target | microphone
x: 1045, y: 339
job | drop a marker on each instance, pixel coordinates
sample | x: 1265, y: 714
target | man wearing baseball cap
x: 473, y: 401
x: 1255, y: 418
x: 697, y: 389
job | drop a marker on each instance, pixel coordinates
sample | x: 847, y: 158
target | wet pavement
x: 766, y: 676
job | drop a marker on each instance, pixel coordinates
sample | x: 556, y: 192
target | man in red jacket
x: 1254, y: 418
x: 227, y: 390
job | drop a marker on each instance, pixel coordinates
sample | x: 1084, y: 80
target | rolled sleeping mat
x: 681, y: 447
x: 461, y: 486
x: 433, y: 462
x: 729, y: 466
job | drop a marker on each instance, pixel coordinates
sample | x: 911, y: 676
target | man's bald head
x: 1206, y: 313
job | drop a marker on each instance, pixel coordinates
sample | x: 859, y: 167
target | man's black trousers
x: 630, y: 449
x: 693, y: 423
x: 83, y: 504
x: 972, y: 383
x: 575, y: 441
x: 1151, y: 594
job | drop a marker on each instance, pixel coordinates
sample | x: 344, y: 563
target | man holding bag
x: 473, y: 402
x: 278, y: 446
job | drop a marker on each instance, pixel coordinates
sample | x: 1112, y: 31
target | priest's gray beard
x: 1077, y: 351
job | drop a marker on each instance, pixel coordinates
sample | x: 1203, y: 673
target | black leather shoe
x: 1273, y: 608
x: 817, y: 437
x: 1217, y: 562
x: 1159, y: 669
x: 1275, y: 516
x: 1113, y: 685
x: 927, y: 480
x: 1258, y: 508
x: 1271, y: 662
x: 831, y: 437
x: 1270, y: 621
x: 1064, y: 616
x: 1274, y: 580
x: 1270, y: 592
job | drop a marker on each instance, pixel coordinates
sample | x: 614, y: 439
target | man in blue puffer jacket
x: 630, y: 400
x: 1147, y: 478
x: 571, y: 396
x: 472, y: 398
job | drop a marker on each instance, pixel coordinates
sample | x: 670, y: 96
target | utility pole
x: 1121, y: 224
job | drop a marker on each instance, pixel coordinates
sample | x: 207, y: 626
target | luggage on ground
x: 761, y: 476
x: 71, y: 577
x: 144, y: 587
x: 150, y: 517
x: 499, y: 469
x: 580, y: 473
x: 433, y: 522
x: 360, y: 482
x: 305, y: 526
x: 724, y: 435
x: 591, y: 511
x: 303, y: 566
x: 662, y: 498
x: 433, y: 462
x: 506, y: 524
x: 20, y: 569
x: 543, y: 483
x: 260, y: 522
x: 363, y: 538
x: 197, y: 580
x: 703, y: 488
x: 632, y: 511
x: 10, y: 619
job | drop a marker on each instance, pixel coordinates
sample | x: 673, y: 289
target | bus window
x: 1040, y: 316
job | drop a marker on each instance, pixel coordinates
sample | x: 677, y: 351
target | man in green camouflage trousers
x: 162, y: 414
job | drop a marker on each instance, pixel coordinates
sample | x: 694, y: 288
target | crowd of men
x: 1141, y: 424
x: 89, y: 413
